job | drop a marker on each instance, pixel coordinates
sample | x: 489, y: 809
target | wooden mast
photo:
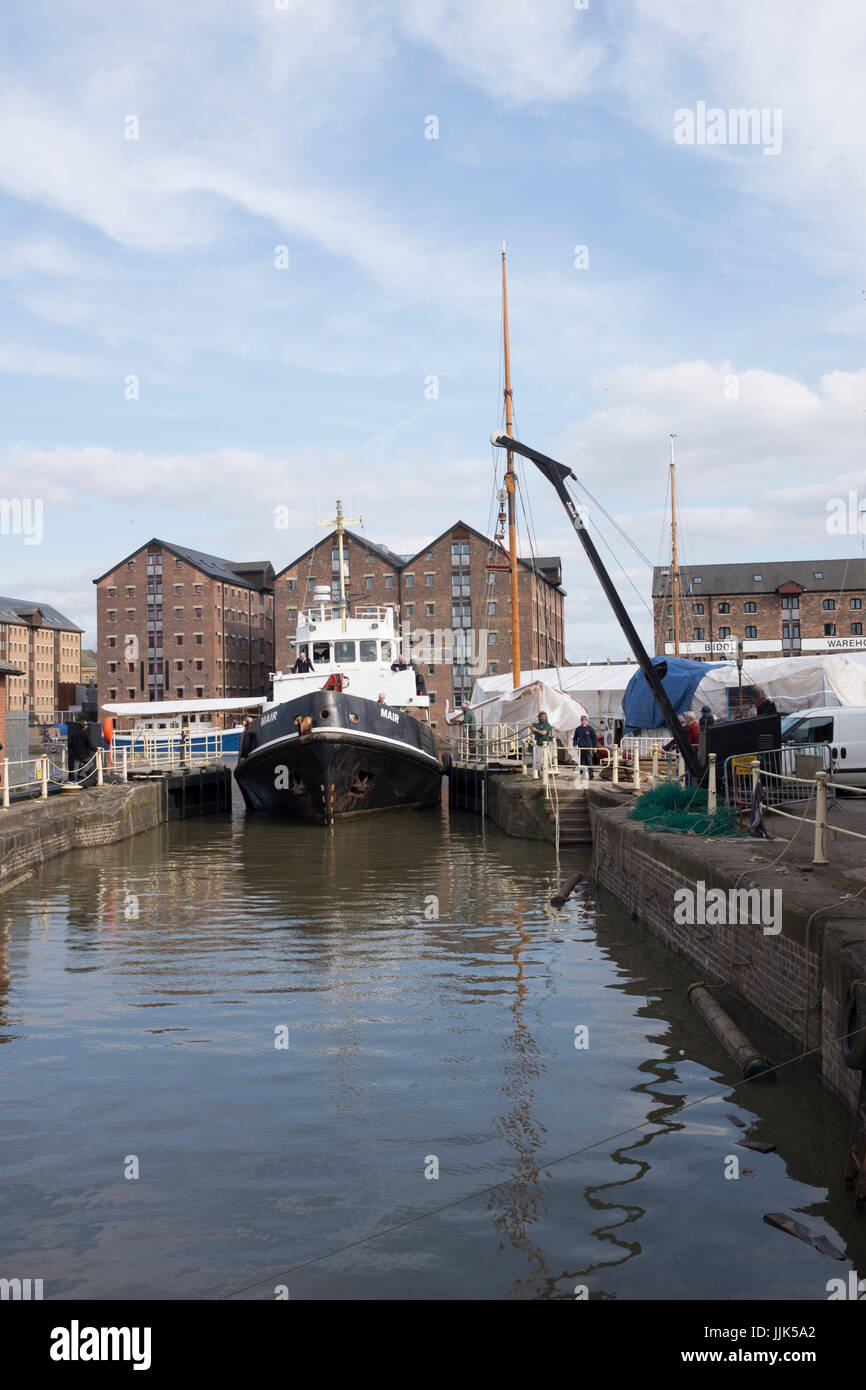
x: 675, y: 570
x: 510, y: 487
x: 340, y: 522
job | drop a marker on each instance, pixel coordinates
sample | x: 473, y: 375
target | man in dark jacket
x: 77, y: 751
x: 303, y: 665
x: 586, y: 739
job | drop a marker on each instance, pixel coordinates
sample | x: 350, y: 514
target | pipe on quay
x: 735, y: 1043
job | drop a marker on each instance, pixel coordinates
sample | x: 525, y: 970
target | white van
x: 844, y: 729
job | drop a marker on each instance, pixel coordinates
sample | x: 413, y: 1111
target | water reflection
x: 431, y: 997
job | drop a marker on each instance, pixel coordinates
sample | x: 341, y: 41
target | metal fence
x: 644, y: 743
x: 788, y: 774
x: 163, y: 753
x: 36, y: 777
x: 481, y: 745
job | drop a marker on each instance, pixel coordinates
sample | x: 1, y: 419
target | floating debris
x: 758, y: 1147
x: 786, y: 1223
x: 735, y: 1120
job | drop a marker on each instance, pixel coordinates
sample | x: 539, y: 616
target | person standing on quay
x: 543, y: 734
x: 586, y: 739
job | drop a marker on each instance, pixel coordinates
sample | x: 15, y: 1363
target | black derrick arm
x: 556, y: 473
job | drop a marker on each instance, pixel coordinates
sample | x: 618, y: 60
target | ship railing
x: 372, y: 612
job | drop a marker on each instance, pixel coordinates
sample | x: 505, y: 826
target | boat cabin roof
x: 156, y: 709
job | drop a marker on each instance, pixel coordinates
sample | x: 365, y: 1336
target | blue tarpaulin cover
x: 682, y: 680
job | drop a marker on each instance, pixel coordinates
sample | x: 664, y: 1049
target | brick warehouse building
x: 175, y: 624
x: 445, y: 586
x: 45, y: 647
x: 781, y: 608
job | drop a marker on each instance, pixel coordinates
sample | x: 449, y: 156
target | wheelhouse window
x: 368, y: 650
x: 386, y: 651
x: 344, y: 651
x: 321, y: 653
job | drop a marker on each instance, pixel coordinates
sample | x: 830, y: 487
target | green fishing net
x: 671, y: 807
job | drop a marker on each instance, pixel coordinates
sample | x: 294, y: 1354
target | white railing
x: 34, y: 775
x: 645, y: 743
x: 480, y: 745
x: 158, y: 753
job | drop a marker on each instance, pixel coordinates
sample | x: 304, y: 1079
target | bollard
x: 6, y: 783
x: 125, y: 765
x: 635, y: 769
x: 616, y: 765
x: 99, y: 767
x: 655, y: 763
x: 711, y: 786
x: 43, y: 773
x: 819, y: 855
x: 756, y: 772
x: 681, y: 767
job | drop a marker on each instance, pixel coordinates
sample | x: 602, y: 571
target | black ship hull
x: 327, y: 755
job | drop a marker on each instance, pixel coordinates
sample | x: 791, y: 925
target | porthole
x: 353, y: 718
x: 324, y: 713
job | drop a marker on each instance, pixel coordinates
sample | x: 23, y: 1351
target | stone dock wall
x: 33, y: 831
x: 798, y: 978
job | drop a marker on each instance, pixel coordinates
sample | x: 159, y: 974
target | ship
x: 351, y: 735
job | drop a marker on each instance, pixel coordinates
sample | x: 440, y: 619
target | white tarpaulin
x: 521, y: 707
x: 793, y: 683
x: 599, y: 688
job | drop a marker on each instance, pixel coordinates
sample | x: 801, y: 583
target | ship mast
x: 339, y: 521
x: 675, y: 570
x: 510, y: 487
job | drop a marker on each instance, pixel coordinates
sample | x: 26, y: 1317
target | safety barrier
x: 36, y: 776
x: 791, y: 772
x: 155, y: 752
x: 483, y: 744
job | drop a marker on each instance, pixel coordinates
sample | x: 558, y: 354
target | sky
x: 250, y: 262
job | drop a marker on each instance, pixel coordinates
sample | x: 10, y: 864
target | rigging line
x: 619, y: 564
x: 549, y: 639
x: 526, y: 502
x: 521, y: 491
x: 504, y: 1182
x: 599, y: 507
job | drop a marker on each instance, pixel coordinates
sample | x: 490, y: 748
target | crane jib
x: 556, y: 473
